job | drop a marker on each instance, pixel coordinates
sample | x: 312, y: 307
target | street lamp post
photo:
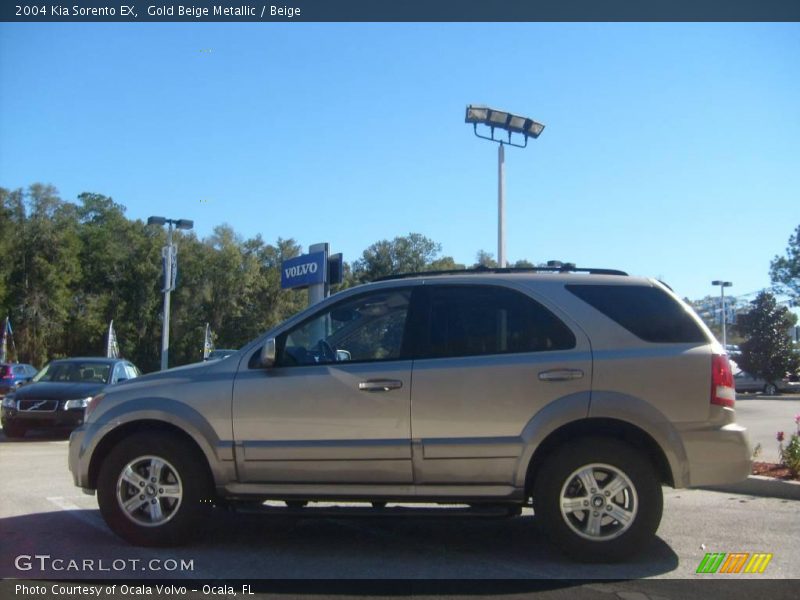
x: 169, y: 254
x: 722, y: 285
x: 498, y: 119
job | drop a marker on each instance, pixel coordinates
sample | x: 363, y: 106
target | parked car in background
x: 745, y: 382
x: 59, y: 394
x: 13, y: 375
x: 733, y: 351
x: 219, y: 354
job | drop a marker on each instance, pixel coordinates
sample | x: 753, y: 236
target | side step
x: 338, y: 511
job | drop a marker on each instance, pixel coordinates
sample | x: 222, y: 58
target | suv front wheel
x: 598, y: 499
x: 152, y: 490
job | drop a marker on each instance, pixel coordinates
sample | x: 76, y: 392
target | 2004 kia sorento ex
x: 579, y: 392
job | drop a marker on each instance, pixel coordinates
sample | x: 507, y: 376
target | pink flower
x: 779, y: 437
x: 797, y: 419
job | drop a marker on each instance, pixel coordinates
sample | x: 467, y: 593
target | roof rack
x: 563, y: 268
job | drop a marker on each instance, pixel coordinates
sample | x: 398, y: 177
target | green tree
x: 12, y: 215
x: 484, y: 259
x: 409, y: 254
x: 45, y: 267
x: 767, y: 347
x: 785, y: 270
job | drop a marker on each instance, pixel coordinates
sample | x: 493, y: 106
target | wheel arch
x: 600, y: 427
x: 116, y: 435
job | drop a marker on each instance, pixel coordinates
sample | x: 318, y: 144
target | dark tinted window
x: 474, y: 320
x: 647, y: 312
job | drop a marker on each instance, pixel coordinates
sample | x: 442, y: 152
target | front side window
x: 369, y: 327
x: 119, y: 373
x: 478, y: 320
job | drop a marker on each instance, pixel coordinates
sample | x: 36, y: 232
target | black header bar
x: 398, y: 10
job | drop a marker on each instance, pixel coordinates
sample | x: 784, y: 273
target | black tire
x: 14, y: 430
x: 182, y: 478
x: 592, y: 534
x: 770, y: 389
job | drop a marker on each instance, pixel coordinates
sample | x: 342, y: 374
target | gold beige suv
x: 577, y: 393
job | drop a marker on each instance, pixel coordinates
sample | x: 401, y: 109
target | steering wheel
x: 326, y: 352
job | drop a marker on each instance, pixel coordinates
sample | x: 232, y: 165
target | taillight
x: 723, y: 392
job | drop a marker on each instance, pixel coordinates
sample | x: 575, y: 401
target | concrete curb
x: 756, y: 485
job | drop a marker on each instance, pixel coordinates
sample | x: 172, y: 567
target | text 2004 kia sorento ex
x: 579, y: 393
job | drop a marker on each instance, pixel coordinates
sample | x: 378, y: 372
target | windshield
x: 75, y: 372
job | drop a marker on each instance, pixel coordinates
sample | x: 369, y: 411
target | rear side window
x: 647, y: 312
x: 476, y: 320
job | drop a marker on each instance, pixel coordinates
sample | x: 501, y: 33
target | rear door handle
x: 560, y: 375
x: 380, y: 385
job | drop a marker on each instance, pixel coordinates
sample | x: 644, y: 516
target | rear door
x: 489, y: 358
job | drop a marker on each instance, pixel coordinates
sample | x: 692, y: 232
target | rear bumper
x: 717, y: 456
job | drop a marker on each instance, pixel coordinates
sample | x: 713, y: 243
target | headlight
x: 81, y: 403
x: 9, y: 401
x: 92, y: 404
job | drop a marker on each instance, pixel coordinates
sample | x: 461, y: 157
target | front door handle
x: 560, y: 375
x: 380, y: 385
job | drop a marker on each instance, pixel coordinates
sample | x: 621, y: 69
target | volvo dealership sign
x: 303, y: 271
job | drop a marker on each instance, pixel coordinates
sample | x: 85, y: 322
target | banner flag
x: 4, y: 343
x: 112, y: 347
x: 208, y: 344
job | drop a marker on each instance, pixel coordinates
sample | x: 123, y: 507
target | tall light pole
x: 722, y: 285
x: 498, y: 119
x: 169, y: 254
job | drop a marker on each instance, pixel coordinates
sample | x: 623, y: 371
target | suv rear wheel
x: 151, y: 490
x: 598, y: 499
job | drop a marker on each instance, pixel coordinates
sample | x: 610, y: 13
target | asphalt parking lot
x: 41, y: 513
x: 764, y: 416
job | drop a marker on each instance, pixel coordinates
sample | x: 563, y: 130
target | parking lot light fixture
x: 170, y: 261
x: 722, y: 285
x: 510, y: 124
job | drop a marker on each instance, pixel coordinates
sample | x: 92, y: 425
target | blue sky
x: 670, y: 150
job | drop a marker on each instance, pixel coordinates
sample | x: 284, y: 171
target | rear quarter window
x: 648, y: 313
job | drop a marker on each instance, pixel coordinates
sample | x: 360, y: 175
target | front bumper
x: 80, y: 472
x: 44, y: 419
x: 717, y: 456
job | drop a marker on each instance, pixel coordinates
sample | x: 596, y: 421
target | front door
x: 336, y: 406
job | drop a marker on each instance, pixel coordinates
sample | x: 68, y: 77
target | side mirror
x: 268, y: 353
